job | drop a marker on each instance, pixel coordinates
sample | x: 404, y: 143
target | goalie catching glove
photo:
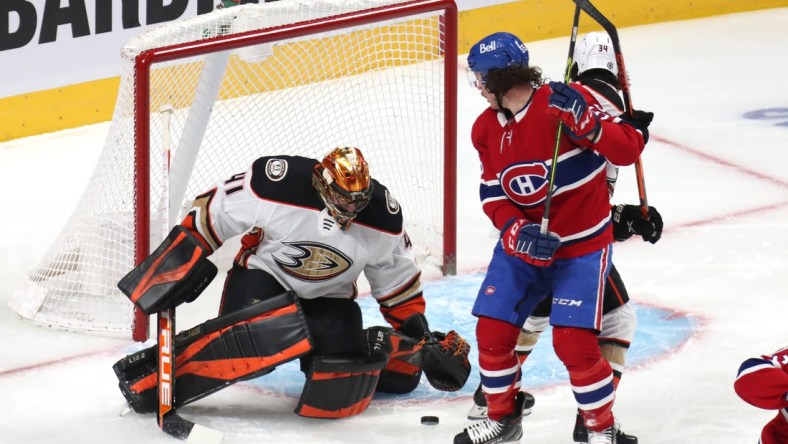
x: 442, y: 356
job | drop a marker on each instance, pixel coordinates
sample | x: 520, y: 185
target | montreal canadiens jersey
x: 298, y: 242
x: 516, y: 156
x: 763, y: 382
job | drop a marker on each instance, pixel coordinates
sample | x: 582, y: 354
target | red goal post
x: 203, y: 97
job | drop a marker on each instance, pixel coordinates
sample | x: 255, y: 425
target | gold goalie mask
x: 343, y: 182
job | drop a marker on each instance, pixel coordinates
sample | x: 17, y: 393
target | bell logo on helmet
x: 487, y: 48
x: 497, y: 51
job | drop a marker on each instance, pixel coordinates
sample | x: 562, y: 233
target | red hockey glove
x: 568, y: 104
x: 524, y: 239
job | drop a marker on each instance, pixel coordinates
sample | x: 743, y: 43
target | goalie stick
x: 169, y: 421
x: 554, y: 165
x: 608, y: 26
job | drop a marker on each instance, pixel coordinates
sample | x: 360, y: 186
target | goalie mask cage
x: 201, y: 98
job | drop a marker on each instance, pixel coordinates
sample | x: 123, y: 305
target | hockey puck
x: 430, y: 420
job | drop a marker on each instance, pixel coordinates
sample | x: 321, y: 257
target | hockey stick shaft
x: 165, y: 323
x: 608, y: 26
x: 168, y: 419
x: 554, y: 164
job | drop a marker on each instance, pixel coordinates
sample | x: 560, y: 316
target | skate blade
x: 477, y: 413
x: 125, y: 410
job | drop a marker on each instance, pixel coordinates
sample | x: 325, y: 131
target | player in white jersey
x: 595, y: 69
x: 309, y: 228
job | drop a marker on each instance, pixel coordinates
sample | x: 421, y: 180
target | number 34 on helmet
x: 343, y: 182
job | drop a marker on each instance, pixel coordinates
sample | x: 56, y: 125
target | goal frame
x: 144, y: 62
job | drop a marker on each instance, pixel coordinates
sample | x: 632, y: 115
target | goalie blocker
x: 177, y: 272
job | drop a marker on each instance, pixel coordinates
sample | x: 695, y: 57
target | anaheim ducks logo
x: 313, y: 261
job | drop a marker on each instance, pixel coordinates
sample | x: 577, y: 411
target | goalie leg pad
x: 339, y: 387
x: 335, y: 326
x: 399, y: 376
x: 209, y: 357
x: 176, y: 272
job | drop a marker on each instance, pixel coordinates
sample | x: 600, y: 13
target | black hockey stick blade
x: 179, y: 427
x: 594, y: 13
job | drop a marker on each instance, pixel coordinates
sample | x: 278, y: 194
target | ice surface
x: 715, y: 168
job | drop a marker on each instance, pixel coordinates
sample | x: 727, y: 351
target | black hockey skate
x: 580, y: 434
x: 508, y: 429
x: 479, y: 409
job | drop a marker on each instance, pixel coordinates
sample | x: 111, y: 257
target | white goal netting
x: 365, y: 73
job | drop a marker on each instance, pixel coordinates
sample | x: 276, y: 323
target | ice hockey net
x: 222, y: 89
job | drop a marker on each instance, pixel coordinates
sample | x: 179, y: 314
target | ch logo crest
x: 525, y: 183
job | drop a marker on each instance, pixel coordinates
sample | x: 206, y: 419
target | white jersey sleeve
x: 394, y: 276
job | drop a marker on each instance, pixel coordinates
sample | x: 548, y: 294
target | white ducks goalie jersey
x: 289, y: 233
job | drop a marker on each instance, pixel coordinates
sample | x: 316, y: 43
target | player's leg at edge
x: 526, y: 342
x: 618, y: 328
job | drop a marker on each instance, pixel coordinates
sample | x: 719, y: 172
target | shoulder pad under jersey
x: 383, y: 211
x: 605, y: 90
x: 285, y: 179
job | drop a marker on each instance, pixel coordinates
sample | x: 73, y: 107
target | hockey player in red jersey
x: 596, y: 71
x: 763, y: 382
x: 515, y: 139
x: 310, y: 228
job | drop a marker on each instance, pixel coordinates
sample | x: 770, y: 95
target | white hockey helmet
x: 595, y: 51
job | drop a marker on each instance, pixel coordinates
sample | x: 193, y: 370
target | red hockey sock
x: 590, y: 375
x: 499, y: 365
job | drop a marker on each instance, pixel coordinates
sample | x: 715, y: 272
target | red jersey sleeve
x: 619, y: 142
x: 486, y: 129
x: 763, y: 382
